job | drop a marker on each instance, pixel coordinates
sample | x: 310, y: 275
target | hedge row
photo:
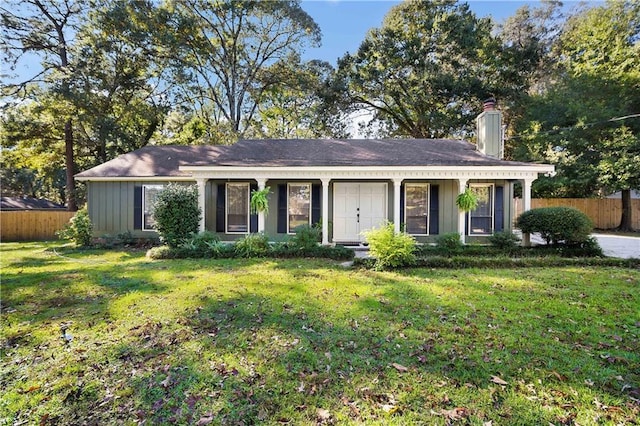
x: 230, y: 251
x: 463, y: 262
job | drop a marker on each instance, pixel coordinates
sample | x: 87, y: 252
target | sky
x: 344, y: 23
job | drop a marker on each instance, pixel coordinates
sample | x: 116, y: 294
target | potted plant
x: 467, y: 201
x: 259, y: 201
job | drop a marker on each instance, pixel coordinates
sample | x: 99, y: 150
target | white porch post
x: 325, y: 211
x: 526, y: 206
x: 202, y: 197
x: 526, y: 194
x: 462, y: 184
x: 261, y: 186
x: 396, y: 204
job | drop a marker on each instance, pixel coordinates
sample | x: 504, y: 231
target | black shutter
x: 220, y: 200
x: 253, y: 217
x: 316, y: 206
x: 402, y: 220
x: 434, y: 210
x: 499, y: 209
x: 282, y: 209
x: 137, y: 207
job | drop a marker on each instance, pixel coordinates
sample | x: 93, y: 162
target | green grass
x: 307, y: 342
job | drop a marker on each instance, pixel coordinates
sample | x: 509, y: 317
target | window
x: 416, y: 208
x: 237, y: 208
x: 298, y: 205
x: 149, y: 194
x: 481, y: 219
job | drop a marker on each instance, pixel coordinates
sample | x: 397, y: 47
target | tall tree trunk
x: 70, y: 166
x: 626, y: 223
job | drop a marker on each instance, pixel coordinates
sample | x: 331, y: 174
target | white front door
x: 357, y: 207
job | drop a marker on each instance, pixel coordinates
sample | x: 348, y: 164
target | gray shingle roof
x: 353, y: 152
x: 27, y: 203
x: 153, y: 161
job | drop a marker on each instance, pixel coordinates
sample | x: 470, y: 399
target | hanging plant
x: 259, y: 201
x: 467, y: 201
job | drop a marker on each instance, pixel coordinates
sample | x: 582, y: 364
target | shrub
x: 201, y: 241
x: 306, y: 237
x: 289, y: 250
x: 176, y: 214
x: 79, y: 229
x: 449, y: 243
x: 557, y: 224
x: 253, y: 245
x: 504, y: 240
x: 390, y: 250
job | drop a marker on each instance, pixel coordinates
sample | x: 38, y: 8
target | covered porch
x: 346, y: 200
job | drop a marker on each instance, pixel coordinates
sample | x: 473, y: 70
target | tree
x: 225, y: 55
x: 42, y: 27
x: 298, y: 108
x: 526, y: 63
x: 119, y: 92
x: 587, y: 123
x: 422, y: 74
x: 32, y: 143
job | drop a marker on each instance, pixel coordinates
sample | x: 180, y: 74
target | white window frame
x: 492, y: 189
x: 226, y: 207
x: 291, y: 231
x: 427, y: 186
x: 144, y: 205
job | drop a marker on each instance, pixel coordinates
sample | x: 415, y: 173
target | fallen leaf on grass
x: 165, y: 383
x: 205, y: 420
x: 559, y: 376
x: 497, y: 380
x: 323, y: 415
x: 457, y: 413
x: 32, y: 388
x: 400, y: 368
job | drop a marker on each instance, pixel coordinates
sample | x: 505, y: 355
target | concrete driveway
x: 612, y: 245
x: 619, y: 246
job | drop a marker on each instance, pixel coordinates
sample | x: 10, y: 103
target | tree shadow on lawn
x: 398, y: 354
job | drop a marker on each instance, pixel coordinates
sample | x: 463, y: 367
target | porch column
x: 397, y: 182
x: 526, y: 206
x: 462, y: 185
x: 261, y: 186
x: 325, y: 211
x: 202, y: 197
x: 526, y: 194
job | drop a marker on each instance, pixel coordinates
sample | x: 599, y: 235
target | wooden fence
x: 32, y: 225
x: 604, y: 212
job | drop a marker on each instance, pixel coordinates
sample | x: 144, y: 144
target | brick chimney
x: 489, y: 130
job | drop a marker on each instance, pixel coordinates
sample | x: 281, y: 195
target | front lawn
x: 306, y: 342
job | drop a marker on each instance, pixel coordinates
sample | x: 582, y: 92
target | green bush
x: 306, y: 237
x: 290, y: 250
x: 504, y: 240
x: 390, y: 250
x: 79, y: 229
x: 176, y: 213
x: 253, y: 245
x: 557, y: 225
x: 201, y: 241
x: 449, y: 243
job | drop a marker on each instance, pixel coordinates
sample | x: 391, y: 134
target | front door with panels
x: 357, y: 207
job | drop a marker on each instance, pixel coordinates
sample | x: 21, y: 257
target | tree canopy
x: 118, y: 75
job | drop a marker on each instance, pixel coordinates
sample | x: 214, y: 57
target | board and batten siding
x: 111, y: 207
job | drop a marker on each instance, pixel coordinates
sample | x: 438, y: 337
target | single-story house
x: 345, y: 186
